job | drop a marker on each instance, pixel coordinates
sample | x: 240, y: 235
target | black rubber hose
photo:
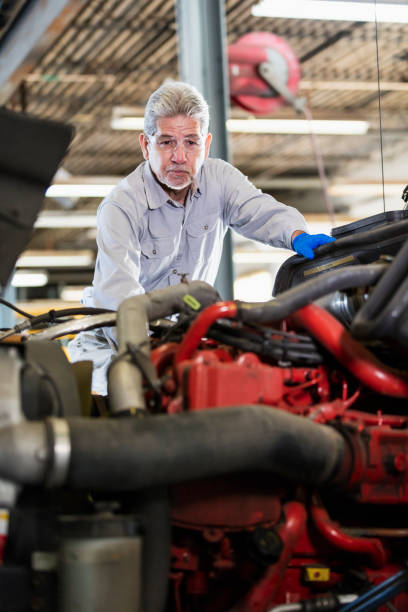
x: 387, y: 302
x: 49, y: 317
x: 133, y: 454
x: 270, y: 349
x: 387, y: 323
x: 305, y: 293
x: 370, y: 237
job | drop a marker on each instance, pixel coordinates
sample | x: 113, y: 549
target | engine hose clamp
x: 60, y: 444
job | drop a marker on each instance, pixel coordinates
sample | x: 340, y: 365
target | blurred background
x: 94, y: 63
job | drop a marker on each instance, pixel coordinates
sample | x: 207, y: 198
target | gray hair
x: 175, y: 98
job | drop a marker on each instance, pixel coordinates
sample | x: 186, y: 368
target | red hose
x: 198, y: 329
x: 261, y: 596
x: 329, y: 530
x: 350, y: 353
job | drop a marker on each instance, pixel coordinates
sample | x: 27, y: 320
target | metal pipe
x: 125, y: 377
x: 372, y: 547
x: 316, y: 604
x: 264, y: 591
x: 350, y: 353
x: 173, y: 296
x: 305, y: 293
x: 201, y: 325
x: 379, y: 594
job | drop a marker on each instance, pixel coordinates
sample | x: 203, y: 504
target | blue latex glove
x: 304, y: 244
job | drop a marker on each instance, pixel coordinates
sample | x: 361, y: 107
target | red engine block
x: 260, y: 541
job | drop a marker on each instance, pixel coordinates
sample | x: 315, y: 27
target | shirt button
x: 206, y: 227
x: 174, y: 271
x: 154, y: 251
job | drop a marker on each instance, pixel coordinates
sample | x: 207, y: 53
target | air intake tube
x: 132, y: 454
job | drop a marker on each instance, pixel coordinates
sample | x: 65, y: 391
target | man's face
x: 177, y: 150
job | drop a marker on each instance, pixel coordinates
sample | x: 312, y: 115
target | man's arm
x: 117, y: 270
x: 255, y: 214
x: 261, y: 217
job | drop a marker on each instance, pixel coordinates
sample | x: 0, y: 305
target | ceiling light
x: 365, y: 189
x: 331, y: 10
x: 56, y: 259
x: 26, y: 278
x: 53, y: 219
x: 127, y: 123
x: 71, y: 293
x: 297, y: 126
x: 268, y: 126
x: 79, y: 190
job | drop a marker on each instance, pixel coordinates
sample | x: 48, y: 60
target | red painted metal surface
x: 371, y: 547
x: 235, y: 502
x: 218, y: 516
x: 262, y: 594
x: 350, y: 353
x: 247, y: 380
x: 385, y: 478
x: 212, y: 379
x: 198, y: 329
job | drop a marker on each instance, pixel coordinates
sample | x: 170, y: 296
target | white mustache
x: 177, y: 169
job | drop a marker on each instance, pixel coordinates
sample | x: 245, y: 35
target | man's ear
x: 144, y: 142
x: 208, y: 140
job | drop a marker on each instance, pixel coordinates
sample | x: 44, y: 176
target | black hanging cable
x: 10, y: 305
x: 52, y: 317
x: 379, y: 101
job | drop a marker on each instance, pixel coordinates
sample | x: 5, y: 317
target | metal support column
x: 203, y: 63
x: 7, y: 316
x: 35, y: 30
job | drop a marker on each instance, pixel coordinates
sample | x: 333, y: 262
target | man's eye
x: 192, y: 143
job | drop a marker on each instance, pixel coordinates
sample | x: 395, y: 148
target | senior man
x: 167, y: 219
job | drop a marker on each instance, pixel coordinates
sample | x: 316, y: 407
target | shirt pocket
x: 157, y: 248
x: 201, y: 235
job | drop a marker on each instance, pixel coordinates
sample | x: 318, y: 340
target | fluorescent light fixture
x: 270, y: 126
x: 365, y: 189
x: 26, y: 278
x: 71, y: 293
x: 85, y: 190
x: 297, y: 126
x: 52, y: 219
x: 125, y: 118
x: 331, y: 10
x: 127, y: 123
x: 56, y: 259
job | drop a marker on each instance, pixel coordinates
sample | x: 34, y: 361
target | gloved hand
x: 304, y: 244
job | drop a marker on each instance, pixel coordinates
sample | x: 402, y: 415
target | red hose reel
x: 264, y: 73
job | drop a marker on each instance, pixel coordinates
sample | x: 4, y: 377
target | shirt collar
x: 155, y: 194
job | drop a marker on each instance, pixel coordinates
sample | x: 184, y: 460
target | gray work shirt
x: 147, y: 241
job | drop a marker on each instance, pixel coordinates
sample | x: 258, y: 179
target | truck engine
x: 251, y: 457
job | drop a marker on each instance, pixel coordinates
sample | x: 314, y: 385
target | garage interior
x: 251, y: 456
x: 99, y: 59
